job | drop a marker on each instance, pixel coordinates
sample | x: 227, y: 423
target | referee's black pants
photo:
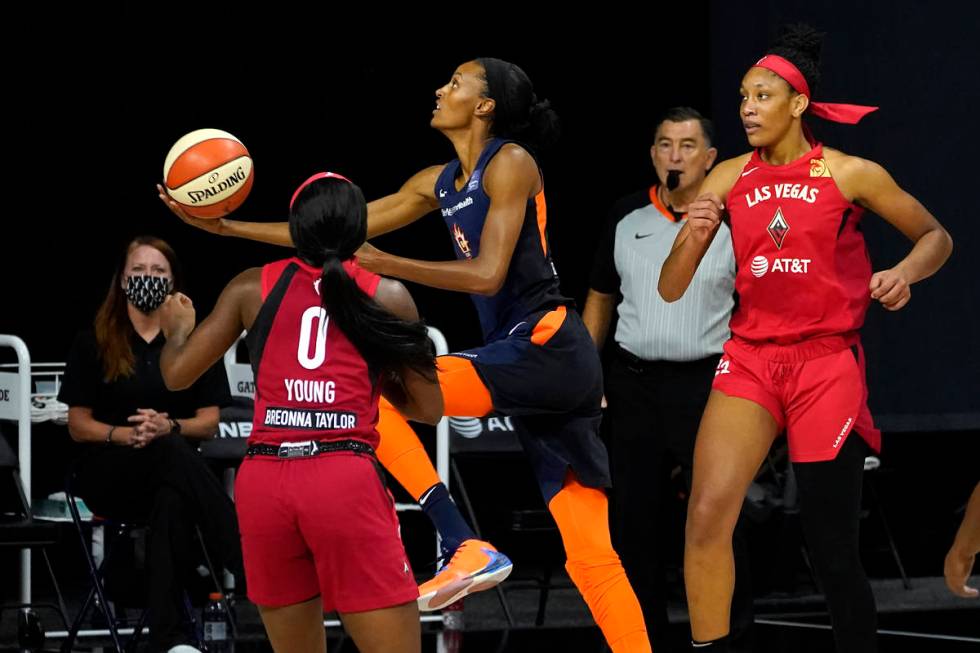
x: 651, y: 422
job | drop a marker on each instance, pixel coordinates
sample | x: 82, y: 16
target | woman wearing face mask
x: 140, y: 461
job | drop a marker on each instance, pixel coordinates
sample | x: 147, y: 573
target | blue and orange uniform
x: 540, y: 364
x: 539, y: 361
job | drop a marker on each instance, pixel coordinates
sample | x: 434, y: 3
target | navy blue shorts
x: 547, y: 373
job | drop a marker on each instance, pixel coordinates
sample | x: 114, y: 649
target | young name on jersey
x: 311, y: 390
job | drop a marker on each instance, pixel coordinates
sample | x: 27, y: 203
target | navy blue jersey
x: 532, y: 282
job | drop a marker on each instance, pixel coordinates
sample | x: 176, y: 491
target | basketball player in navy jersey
x: 794, y: 361
x: 326, y: 338
x: 539, y: 361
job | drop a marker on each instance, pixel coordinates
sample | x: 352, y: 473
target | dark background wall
x: 917, y: 61
x: 92, y: 131
x: 88, y: 130
x: 360, y: 105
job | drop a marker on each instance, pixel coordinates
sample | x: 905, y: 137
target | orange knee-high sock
x: 402, y: 454
x: 582, y: 515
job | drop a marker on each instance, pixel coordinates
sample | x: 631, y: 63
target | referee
x: 664, y: 357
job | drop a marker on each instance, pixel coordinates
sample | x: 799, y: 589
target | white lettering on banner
x: 315, y: 420
x: 9, y: 396
x: 498, y: 424
x: 241, y: 379
x: 310, y: 390
x: 782, y: 191
x: 234, y: 429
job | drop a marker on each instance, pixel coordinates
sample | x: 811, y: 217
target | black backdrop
x: 918, y: 62
x: 91, y: 131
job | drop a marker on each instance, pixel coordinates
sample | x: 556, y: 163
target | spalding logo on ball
x: 208, y: 173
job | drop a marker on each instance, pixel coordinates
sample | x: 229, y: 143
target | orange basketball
x: 208, y: 172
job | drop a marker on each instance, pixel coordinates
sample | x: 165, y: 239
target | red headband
x: 846, y: 113
x: 319, y: 175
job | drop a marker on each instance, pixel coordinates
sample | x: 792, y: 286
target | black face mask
x: 146, y: 292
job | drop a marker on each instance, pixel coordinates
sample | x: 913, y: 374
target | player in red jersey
x: 794, y: 361
x: 326, y: 338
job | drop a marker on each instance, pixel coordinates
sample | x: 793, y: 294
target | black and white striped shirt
x: 632, y: 251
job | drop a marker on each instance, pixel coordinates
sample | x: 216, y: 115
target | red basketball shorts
x: 323, y: 525
x: 815, y: 390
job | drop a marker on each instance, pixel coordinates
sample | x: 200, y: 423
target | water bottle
x: 217, y: 630
x: 30, y: 634
x: 451, y: 638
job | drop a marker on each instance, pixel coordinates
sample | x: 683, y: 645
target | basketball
x: 208, y: 172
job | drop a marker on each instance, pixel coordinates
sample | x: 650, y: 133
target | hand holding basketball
x: 207, y: 224
x: 207, y: 174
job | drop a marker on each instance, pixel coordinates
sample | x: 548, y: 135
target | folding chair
x: 115, y: 625
x: 19, y: 529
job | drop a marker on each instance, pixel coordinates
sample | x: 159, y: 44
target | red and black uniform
x: 324, y: 524
x: 802, y: 283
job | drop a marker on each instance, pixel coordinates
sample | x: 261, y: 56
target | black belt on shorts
x: 309, y: 448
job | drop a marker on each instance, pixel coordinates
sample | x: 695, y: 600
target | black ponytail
x: 800, y: 44
x: 518, y: 114
x: 328, y: 222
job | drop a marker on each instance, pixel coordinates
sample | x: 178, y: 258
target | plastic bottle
x: 451, y: 638
x: 217, y: 629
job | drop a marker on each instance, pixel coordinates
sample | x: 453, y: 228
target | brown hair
x: 112, y: 324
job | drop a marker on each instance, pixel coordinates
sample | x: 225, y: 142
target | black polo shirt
x: 83, y: 384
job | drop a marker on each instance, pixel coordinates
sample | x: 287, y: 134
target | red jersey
x: 311, y: 382
x: 803, y: 266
